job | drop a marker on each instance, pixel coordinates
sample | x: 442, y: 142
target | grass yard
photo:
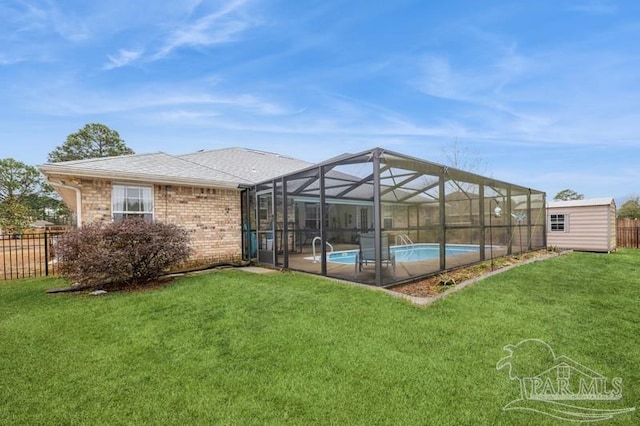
x: 237, y: 348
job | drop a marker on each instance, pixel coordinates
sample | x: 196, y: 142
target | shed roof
x: 605, y: 201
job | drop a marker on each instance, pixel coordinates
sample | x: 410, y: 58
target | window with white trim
x: 387, y: 217
x: 558, y: 222
x: 312, y: 215
x: 132, y: 201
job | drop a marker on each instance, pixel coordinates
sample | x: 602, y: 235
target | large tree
x: 18, y: 180
x: 567, y: 195
x: 14, y: 216
x: 25, y: 196
x: 92, y: 141
x: 19, y: 184
x: 47, y: 205
x: 630, y: 209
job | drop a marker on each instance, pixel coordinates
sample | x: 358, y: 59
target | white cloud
x: 7, y: 60
x: 482, y: 83
x: 123, y: 58
x: 197, y: 99
x: 577, y: 92
x: 31, y: 19
x: 214, y: 28
x: 71, y: 28
x: 437, y: 78
x: 189, y: 28
x: 182, y: 116
x: 594, y: 7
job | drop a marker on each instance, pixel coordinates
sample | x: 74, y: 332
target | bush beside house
x: 121, y: 253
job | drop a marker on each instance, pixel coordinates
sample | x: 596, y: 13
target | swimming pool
x: 406, y: 253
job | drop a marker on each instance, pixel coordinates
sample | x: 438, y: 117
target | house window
x: 364, y: 220
x: 387, y: 217
x: 311, y: 216
x: 132, y: 201
x: 558, y: 222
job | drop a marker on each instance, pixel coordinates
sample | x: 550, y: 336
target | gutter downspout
x: 78, y: 199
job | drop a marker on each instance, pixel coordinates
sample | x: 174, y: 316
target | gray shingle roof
x: 248, y: 165
x: 225, y: 167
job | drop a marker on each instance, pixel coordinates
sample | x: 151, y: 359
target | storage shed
x: 584, y: 225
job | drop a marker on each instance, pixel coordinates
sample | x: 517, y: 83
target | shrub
x: 124, y: 253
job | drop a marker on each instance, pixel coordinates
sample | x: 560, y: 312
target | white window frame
x: 561, y: 222
x: 123, y: 195
x: 387, y: 217
x: 312, y: 216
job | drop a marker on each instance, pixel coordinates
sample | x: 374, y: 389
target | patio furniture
x: 367, y: 252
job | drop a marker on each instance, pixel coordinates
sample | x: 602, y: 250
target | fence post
x: 46, y: 253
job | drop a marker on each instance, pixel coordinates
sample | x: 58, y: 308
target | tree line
x: 25, y: 196
x: 630, y: 209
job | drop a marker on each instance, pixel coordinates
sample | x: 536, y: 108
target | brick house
x: 201, y: 192
x: 418, y: 217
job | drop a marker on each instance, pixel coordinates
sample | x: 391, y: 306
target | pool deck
x: 404, y: 270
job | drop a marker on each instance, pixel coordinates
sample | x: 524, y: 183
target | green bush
x: 124, y: 253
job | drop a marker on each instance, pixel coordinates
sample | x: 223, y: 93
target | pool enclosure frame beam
x: 386, y: 184
x: 377, y: 215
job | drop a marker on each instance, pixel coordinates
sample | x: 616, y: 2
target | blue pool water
x: 408, y: 253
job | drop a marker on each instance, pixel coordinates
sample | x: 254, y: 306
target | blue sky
x: 543, y: 93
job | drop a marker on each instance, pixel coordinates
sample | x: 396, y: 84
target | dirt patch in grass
x: 156, y: 284
x: 115, y: 287
x: 436, y: 284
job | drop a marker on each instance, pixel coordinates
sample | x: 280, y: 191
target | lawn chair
x: 367, y: 252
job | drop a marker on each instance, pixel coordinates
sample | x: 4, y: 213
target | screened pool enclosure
x: 381, y: 218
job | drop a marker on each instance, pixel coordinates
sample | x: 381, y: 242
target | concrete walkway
x: 258, y: 270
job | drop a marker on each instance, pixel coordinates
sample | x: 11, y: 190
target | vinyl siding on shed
x: 588, y: 228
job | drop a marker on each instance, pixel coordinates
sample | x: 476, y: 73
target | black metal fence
x: 29, y: 255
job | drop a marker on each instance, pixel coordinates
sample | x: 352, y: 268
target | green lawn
x: 237, y: 348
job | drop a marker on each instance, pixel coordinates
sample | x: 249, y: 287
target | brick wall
x: 96, y: 201
x: 212, y: 216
